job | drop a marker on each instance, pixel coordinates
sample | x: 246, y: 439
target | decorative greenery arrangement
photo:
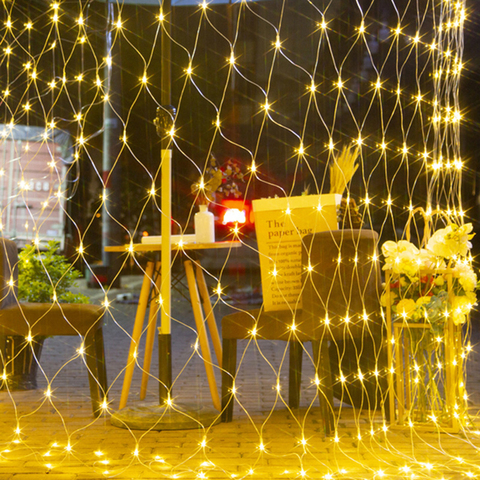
x: 419, y: 290
x: 47, y: 276
x: 341, y: 171
x: 223, y: 179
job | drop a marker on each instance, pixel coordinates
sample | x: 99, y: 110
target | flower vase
x: 204, y: 226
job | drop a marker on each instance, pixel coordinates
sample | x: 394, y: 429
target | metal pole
x: 165, y: 118
x: 111, y: 233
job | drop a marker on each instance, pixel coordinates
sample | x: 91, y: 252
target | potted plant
x: 43, y: 277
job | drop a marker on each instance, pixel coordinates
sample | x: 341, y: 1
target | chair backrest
x: 344, y: 280
x: 8, y: 271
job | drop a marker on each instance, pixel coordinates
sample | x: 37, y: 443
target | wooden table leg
x: 137, y: 331
x: 151, y: 330
x: 207, y: 308
x: 202, y: 334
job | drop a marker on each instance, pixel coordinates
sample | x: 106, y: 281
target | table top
x: 155, y: 247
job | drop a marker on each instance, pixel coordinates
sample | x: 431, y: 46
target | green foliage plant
x: 43, y: 273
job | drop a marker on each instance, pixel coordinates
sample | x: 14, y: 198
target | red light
x: 234, y: 215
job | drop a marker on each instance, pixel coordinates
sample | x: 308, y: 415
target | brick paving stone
x: 11, y: 470
x: 44, y: 476
x: 232, y: 448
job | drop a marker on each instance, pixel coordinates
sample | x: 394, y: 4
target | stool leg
x: 295, y: 373
x: 136, y: 334
x: 151, y: 330
x: 210, y: 316
x: 228, y: 375
x: 324, y: 374
x: 202, y: 333
x: 91, y: 361
x: 100, y: 360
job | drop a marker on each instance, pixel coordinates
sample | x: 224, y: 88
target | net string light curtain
x: 270, y: 96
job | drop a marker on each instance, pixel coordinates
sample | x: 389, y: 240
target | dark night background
x: 241, y: 117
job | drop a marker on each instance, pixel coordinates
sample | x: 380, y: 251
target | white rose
x: 461, y: 306
x: 406, y: 307
x: 401, y: 257
x: 392, y: 249
x: 389, y: 249
x: 466, y: 276
x: 407, y: 263
x: 451, y: 240
x: 429, y: 260
x: 439, y: 246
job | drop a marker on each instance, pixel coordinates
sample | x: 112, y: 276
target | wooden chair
x: 51, y: 319
x: 332, y: 290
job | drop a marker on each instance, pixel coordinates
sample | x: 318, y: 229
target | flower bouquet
x: 224, y: 180
x: 429, y: 294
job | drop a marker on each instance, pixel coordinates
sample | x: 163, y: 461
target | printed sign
x: 280, y: 224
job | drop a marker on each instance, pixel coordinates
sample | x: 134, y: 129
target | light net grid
x: 282, y: 88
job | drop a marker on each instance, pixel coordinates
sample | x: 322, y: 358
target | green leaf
x: 41, y: 273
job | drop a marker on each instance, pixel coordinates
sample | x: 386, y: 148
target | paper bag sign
x: 280, y: 224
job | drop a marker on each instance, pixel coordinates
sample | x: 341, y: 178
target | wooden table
x: 151, y: 289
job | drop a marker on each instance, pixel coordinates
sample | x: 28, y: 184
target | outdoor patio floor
x: 264, y: 441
